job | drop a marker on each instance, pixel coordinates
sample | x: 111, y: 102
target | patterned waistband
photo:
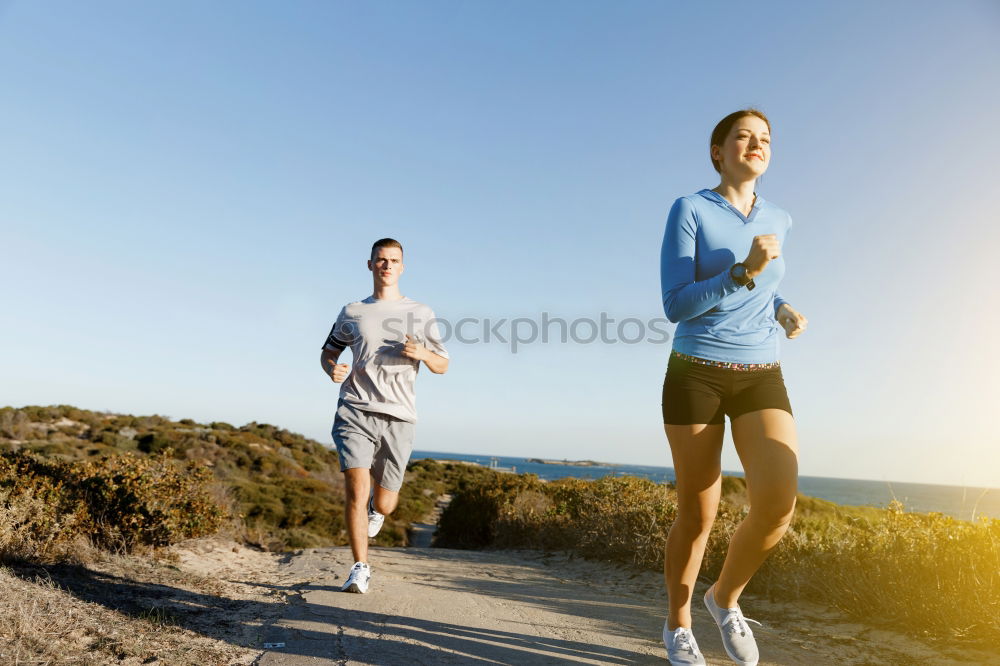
x: 744, y: 367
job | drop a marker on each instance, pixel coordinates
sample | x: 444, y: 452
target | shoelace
x: 685, y: 642
x: 737, y: 624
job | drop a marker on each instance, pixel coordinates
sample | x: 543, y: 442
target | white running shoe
x: 736, y: 635
x: 361, y: 573
x: 375, y: 519
x: 682, y: 648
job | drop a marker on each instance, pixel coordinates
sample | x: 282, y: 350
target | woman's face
x: 746, y: 151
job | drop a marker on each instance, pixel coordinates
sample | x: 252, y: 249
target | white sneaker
x: 736, y: 635
x: 361, y: 573
x: 681, y: 646
x: 375, y: 519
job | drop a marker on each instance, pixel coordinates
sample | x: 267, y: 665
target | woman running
x: 720, y: 268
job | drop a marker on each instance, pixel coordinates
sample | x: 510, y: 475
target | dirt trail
x: 422, y: 534
x: 439, y: 606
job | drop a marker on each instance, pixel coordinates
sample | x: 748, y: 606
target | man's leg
x: 358, y: 487
x: 385, y: 501
x: 355, y: 433
x: 389, y: 464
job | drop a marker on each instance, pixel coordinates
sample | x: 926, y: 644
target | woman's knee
x: 775, y: 514
x: 695, y: 519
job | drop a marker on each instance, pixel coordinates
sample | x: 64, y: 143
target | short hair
x: 385, y: 242
x: 721, y: 130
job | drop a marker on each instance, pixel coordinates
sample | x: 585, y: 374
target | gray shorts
x: 374, y: 441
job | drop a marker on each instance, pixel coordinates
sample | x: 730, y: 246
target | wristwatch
x: 739, y: 274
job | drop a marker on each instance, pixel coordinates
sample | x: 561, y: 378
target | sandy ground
x: 438, y: 606
x: 213, y: 602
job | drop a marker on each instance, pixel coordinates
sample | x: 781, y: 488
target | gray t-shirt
x: 382, y: 379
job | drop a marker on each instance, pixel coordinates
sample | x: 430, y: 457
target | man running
x: 389, y: 335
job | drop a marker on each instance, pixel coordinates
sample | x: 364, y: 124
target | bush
x: 479, y: 515
x: 256, y: 463
x: 148, y: 443
x: 903, y: 568
x: 34, y: 527
x: 14, y: 424
x: 115, y: 503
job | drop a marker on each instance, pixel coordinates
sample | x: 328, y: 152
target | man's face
x: 386, y: 265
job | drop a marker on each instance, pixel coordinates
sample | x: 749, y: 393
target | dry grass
x: 127, y: 610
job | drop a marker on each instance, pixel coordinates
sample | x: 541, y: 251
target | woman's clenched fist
x: 762, y: 250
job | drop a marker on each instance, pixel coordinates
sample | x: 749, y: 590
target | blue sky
x: 190, y: 191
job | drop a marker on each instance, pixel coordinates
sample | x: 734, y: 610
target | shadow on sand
x: 329, y: 627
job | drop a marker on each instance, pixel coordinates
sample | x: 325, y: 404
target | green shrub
x: 148, y: 443
x: 116, y: 503
x: 426, y: 480
x: 478, y: 513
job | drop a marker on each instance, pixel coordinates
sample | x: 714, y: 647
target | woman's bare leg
x: 767, y: 445
x: 697, y: 451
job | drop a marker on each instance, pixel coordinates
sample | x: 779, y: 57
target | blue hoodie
x: 716, y: 318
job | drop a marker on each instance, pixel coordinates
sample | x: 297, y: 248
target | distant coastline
x: 964, y: 503
x: 570, y: 463
x: 494, y: 463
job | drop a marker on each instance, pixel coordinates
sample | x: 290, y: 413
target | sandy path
x: 438, y: 606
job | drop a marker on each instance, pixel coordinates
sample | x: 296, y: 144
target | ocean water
x: 950, y: 500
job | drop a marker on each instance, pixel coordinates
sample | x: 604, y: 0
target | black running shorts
x: 695, y: 393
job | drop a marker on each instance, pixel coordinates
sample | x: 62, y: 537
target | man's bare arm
x: 336, y: 371
x: 435, y: 362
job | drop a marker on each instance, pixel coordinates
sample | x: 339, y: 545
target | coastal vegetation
x: 120, y: 482
x: 54, y: 510
x: 76, y: 485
